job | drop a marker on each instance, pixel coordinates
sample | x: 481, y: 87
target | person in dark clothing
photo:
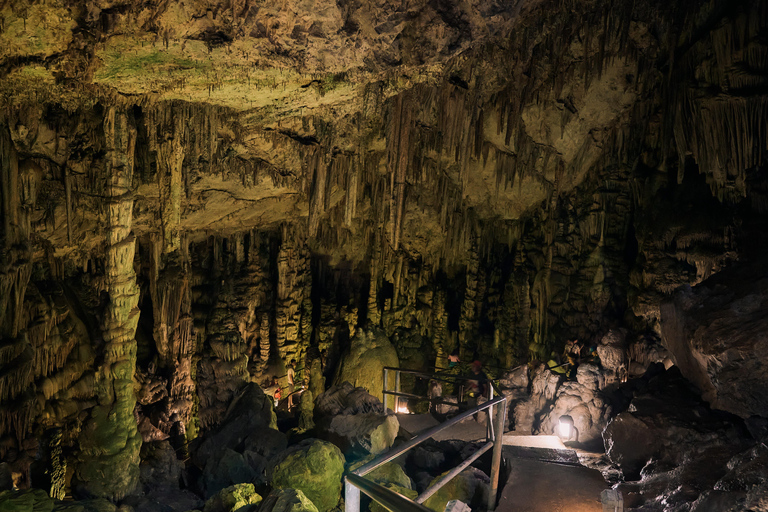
x: 477, y: 385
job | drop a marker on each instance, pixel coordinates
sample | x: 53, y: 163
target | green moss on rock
x: 238, y: 497
x: 313, y: 467
x: 469, y: 486
x: 32, y: 500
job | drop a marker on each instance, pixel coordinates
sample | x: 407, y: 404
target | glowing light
x: 565, y: 428
x: 403, y: 409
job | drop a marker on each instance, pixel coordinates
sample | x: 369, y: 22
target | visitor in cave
x: 291, y: 374
x: 477, y: 384
x: 454, y: 359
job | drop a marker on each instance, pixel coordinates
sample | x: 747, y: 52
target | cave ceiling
x: 418, y: 117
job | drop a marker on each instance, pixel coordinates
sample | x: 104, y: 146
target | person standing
x: 477, y: 383
x: 290, y: 372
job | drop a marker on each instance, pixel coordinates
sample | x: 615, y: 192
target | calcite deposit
x: 203, y: 200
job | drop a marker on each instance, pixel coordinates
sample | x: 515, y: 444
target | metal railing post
x: 496, y: 460
x: 397, y: 390
x: 385, y: 389
x: 351, y: 497
x: 490, y: 413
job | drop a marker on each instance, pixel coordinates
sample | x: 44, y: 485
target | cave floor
x: 543, y: 474
x: 537, y: 485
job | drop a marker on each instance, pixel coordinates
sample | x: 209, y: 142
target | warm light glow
x: 565, y: 428
x: 403, y: 409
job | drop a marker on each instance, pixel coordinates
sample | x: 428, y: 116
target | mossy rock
x: 31, y: 500
x: 238, y: 497
x: 370, y: 351
x: 469, y: 486
x: 390, y: 475
x: 408, y: 493
x: 313, y: 467
x: 287, y: 500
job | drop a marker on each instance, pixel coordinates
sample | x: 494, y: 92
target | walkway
x: 544, y: 475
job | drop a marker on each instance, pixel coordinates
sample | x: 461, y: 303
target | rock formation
x: 195, y: 194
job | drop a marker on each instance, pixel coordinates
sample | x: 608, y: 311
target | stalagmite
x: 110, y: 442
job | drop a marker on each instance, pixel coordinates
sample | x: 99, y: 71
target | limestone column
x: 109, y: 442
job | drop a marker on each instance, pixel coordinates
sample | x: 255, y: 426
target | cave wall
x: 191, y: 200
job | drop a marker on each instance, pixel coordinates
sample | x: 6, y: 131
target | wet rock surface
x: 717, y: 333
x: 315, y: 468
x: 197, y: 197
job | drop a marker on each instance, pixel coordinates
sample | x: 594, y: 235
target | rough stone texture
x: 239, y: 497
x: 240, y: 449
x: 315, y: 468
x: 362, y: 434
x: 498, y: 177
x: 363, y: 365
x: 667, y: 426
x: 718, y: 335
x: 469, y: 486
x: 287, y: 500
x: 347, y: 399
x: 582, y: 401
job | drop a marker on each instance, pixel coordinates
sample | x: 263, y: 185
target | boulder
x: 362, y: 434
x: 287, y: 500
x: 160, y: 467
x: 668, y: 424
x: 516, y: 378
x: 390, y: 475
x: 612, y: 352
x: 159, y: 500
x: 251, y: 409
x: 239, y: 449
x: 581, y: 400
x: 346, y: 399
x: 470, y: 486
x: 718, y: 335
x: 447, y: 408
x: 314, y: 467
x: 363, y: 364
x: 236, y: 498
x: 30, y: 500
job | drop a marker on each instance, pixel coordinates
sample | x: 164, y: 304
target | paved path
x: 544, y: 476
x: 537, y: 486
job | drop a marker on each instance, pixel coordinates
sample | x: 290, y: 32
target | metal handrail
x: 352, y: 492
x: 388, y: 498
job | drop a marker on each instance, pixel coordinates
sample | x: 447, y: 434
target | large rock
x: 718, y: 335
x: 363, y: 364
x: 390, y: 475
x: 582, y: 401
x: 32, y: 500
x: 236, y: 498
x: 667, y: 427
x: 346, y: 399
x: 362, y: 434
x: 287, y: 500
x: 239, y: 450
x: 313, y: 467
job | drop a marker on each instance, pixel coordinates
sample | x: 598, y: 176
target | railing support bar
x: 385, y: 389
x: 397, y: 390
x: 351, y: 497
x: 501, y: 410
x: 396, y: 452
x: 451, y: 474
